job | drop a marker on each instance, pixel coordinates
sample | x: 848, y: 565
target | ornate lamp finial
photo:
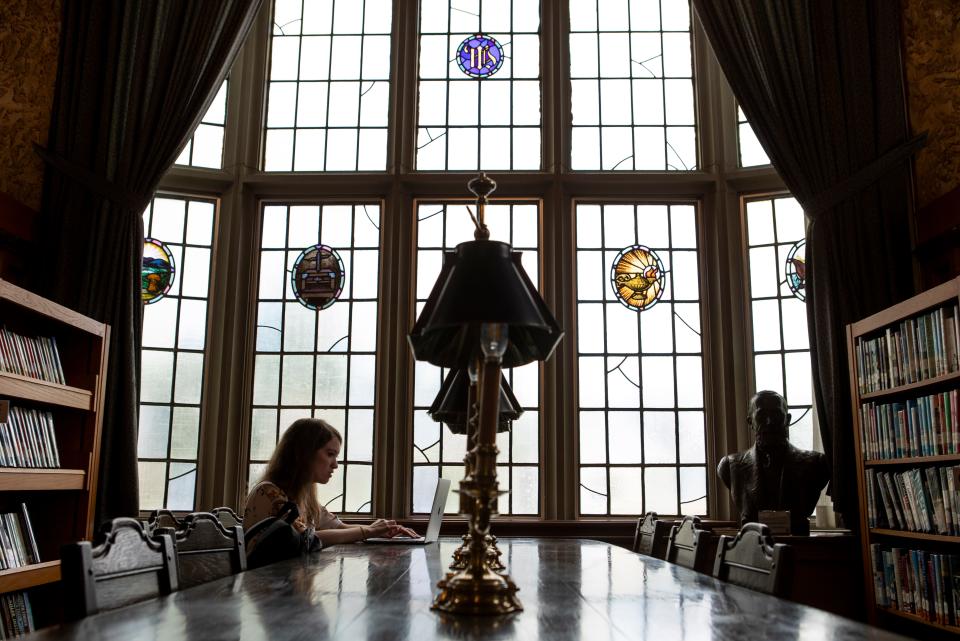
x: 481, y: 186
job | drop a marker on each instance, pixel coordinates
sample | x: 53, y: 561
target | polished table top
x: 570, y: 589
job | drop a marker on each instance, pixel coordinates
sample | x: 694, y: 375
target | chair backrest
x: 127, y: 567
x: 687, y: 544
x: 162, y: 518
x: 753, y: 560
x: 228, y: 518
x: 651, y: 536
x: 206, y: 550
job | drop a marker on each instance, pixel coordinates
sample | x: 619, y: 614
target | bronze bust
x: 773, y: 474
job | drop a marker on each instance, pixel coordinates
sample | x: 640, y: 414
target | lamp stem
x: 478, y: 588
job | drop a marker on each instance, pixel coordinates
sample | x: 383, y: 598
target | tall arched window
x: 351, y: 128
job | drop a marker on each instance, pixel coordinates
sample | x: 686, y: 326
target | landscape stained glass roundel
x: 317, y: 277
x: 637, y: 277
x: 796, y: 269
x: 156, y: 271
x: 480, y: 56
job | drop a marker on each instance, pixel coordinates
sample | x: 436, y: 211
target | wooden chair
x: 206, y: 550
x: 651, y: 536
x: 228, y: 518
x: 687, y: 545
x: 162, y: 518
x: 753, y: 560
x: 127, y: 567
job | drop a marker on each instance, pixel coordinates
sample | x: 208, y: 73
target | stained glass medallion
x: 317, y: 277
x: 795, y: 268
x: 637, y: 277
x: 156, y: 272
x: 480, y: 56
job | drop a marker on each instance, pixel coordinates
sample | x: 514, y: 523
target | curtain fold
x: 133, y: 81
x: 821, y: 83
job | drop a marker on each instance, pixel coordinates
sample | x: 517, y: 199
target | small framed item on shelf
x: 904, y: 384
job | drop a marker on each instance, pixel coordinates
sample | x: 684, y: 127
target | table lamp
x: 483, y: 312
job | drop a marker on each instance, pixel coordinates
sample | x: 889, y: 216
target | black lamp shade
x: 450, y: 406
x: 483, y: 282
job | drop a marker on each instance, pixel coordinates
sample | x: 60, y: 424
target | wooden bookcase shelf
x: 912, y: 389
x: 923, y: 536
x: 60, y: 501
x: 918, y: 619
x: 914, y: 460
x: 30, y: 389
x: 29, y: 479
x: 944, y: 296
x: 29, y: 576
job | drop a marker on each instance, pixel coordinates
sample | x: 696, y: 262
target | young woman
x: 307, y: 454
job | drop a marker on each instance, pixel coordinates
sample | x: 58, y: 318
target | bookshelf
x: 60, y: 499
x: 905, y: 388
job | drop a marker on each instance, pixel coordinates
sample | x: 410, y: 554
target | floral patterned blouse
x: 266, y: 499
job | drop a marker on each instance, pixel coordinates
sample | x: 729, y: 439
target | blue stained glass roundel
x: 317, y: 277
x: 156, y: 271
x: 480, y: 56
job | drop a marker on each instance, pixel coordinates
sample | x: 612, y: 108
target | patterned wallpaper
x: 932, y: 45
x: 29, y: 38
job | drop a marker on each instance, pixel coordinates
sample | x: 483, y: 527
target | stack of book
x: 27, y: 439
x: 918, y: 582
x: 18, y: 546
x: 916, y: 349
x: 17, y: 619
x: 36, y: 357
x: 923, y: 426
x: 920, y: 499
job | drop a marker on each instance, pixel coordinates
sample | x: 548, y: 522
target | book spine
x: 890, y: 579
x: 28, y: 531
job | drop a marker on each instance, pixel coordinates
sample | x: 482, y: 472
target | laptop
x: 436, y: 518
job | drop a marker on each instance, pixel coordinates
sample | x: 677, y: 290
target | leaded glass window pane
x: 316, y: 337
x: 479, y: 85
x: 750, y: 150
x: 777, y: 284
x: 205, y: 147
x: 640, y: 360
x: 328, y: 87
x: 632, y: 92
x: 174, y: 338
x: 436, y: 451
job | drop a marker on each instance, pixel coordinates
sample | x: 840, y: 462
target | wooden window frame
x: 241, y: 187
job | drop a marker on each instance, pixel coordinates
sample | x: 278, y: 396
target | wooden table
x: 571, y: 589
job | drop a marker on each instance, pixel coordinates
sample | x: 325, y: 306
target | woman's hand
x: 379, y: 528
x: 399, y: 530
x: 388, y: 528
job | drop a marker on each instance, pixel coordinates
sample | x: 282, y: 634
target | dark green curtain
x: 134, y: 79
x: 821, y: 83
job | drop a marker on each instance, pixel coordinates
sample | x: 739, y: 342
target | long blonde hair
x: 291, y: 466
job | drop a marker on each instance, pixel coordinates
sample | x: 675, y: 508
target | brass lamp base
x: 494, y: 554
x: 462, y: 593
x: 461, y: 554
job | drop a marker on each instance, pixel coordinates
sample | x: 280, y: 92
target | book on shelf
x: 18, y: 545
x: 27, y: 439
x: 918, y: 582
x: 16, y: 615
x: 33, y: 356
x: 915, y: 349
x: 927, y: 425
x: 917, y: 500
